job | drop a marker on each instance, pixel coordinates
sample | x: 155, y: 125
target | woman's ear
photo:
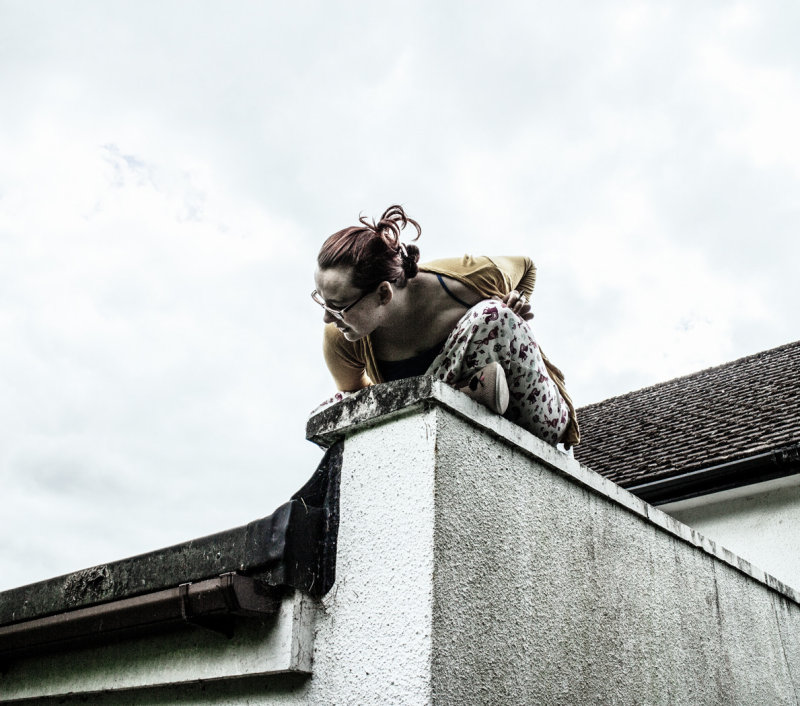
x: 385, y: 292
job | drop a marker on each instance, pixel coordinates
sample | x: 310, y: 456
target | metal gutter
x: 723, y: 476
x: 211, y: 604
x: 207, y: 581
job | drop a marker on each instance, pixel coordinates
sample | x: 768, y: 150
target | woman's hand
x: 518, y: 303
x: 338, y: 397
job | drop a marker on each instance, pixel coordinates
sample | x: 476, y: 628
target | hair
x: 374, y: 250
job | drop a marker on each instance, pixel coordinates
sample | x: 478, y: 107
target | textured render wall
x: 372, y: 632
x: 549, y: 593
x: 373, y: 644
x: 477, y: 565
x: 761, y: 523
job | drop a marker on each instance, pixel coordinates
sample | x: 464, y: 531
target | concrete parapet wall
x: 477, y: 565
x: 547, y: 592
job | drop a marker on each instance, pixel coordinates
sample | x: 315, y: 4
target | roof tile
x: 722, y: 414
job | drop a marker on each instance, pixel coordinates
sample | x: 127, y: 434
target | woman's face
x: 335, y: 286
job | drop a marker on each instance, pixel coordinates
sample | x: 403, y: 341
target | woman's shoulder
x: 469, y: 264
x: 455, y: 265
x: 493, y: 276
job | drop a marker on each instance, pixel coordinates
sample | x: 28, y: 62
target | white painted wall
x: 477, y: 565
x: 759, y: 522
x: 370, y: 636
x: 373, y: 641
x: 275, y: 644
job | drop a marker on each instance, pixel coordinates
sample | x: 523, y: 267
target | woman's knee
x: 487, y: 308
x: 494, y: 317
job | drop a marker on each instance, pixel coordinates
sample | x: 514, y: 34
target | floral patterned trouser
x: 488, y: 332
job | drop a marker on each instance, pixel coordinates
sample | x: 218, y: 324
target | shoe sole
x: 501, y: 394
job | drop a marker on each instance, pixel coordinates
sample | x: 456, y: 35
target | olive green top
x: 492, y: 278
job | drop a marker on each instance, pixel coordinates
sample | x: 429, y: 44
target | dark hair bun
x: 374, y: 250
x: 410, y: 260
x: 388, y: 228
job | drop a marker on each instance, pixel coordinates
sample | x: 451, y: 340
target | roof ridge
x: 695, y: 374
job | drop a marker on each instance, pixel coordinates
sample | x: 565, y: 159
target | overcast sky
x: 168, y: 171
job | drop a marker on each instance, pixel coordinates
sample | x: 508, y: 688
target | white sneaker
x: 489, y: 387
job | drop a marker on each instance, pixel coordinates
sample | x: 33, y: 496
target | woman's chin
x: 349, y: 334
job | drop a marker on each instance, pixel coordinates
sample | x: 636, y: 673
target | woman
x: 461, y: 320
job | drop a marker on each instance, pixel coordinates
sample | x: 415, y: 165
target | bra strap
x: 444, y: 286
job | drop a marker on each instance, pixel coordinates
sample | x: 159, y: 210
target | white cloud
x: 168, y: 176
x: 766, y: 103
x: 138, y: 301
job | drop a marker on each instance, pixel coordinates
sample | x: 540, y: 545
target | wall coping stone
x: 380, y: 403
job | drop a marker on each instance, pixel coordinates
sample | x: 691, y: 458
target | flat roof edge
x: 195, y: 560
x: 293, y: 547
x: 210, y: 603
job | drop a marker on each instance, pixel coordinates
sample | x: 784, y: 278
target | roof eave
x: 756, y: 468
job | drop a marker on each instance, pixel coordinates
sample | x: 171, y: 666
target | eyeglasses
x: 338, y: 313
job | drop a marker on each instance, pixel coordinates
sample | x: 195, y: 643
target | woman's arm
x: 520, y: 272
x: 528, y: 279
x: 349, y: 373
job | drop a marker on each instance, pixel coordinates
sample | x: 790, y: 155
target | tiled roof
x: 736, y: 410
